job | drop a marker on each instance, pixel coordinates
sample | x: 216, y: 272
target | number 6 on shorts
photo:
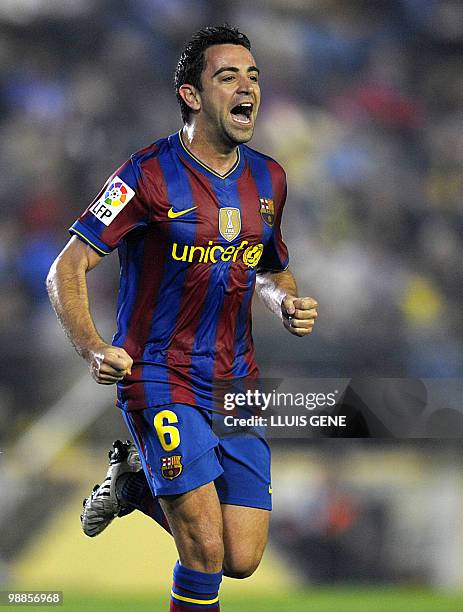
x: 169, y: 436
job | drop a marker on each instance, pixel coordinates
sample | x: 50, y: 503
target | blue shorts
x: 180, y: 451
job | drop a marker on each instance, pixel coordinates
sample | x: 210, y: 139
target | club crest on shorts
x: 229, y: 222
x: 171, y: 467
x: 267, y: 211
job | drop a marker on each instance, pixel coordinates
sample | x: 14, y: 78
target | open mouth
x: 242, y: 113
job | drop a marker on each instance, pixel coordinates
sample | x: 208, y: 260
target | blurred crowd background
x: 363, y: 106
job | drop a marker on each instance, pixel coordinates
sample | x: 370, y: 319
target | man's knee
x: 245, y: 536
x: 206, y: 549
x: 196, y: 522
x: 201, y: 551
x: 241, y: 566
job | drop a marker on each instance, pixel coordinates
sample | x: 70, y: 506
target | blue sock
x: 132, y: 489
x: 193, y: 590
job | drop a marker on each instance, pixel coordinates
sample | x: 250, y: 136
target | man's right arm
x: 67, y: 289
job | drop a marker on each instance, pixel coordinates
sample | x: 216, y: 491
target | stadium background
x: 362, y: 104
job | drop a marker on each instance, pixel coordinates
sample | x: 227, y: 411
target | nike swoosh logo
x: 172, y: 214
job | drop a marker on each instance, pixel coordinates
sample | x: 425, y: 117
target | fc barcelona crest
x: 171, y: 467
x: 229, y: 223
x: 267, y: 211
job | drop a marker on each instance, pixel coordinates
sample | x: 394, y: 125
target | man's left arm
x: 278, y: 291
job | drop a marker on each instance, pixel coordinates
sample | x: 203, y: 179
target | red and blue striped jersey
x: 190, y: 242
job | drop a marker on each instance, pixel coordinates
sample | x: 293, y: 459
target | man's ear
x: 190, y: 96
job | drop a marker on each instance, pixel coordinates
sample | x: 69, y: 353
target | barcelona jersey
x: 190, y: 243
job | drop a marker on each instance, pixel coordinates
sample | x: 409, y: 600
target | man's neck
x: 219, y: 157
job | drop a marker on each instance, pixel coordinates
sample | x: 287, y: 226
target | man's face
x: 230, y: 96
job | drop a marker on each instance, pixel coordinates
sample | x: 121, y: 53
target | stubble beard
x: 235, y: 138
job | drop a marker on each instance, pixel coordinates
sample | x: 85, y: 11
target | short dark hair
x: 191, y: 63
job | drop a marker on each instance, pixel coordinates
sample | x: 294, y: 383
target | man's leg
x: 245, y: 532
x: 245, y: 495
x: 176, y: 446
x: 195, y: 519
x: 133, y: 492
x: 245, y: 492
x: 245, y: 529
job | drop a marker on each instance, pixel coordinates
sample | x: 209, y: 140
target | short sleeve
x: 275, y: 257
x: 119, y: 208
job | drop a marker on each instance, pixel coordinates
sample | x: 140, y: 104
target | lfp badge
x: 116, y: 196
x: 229, y: 222
x: 171, y: 467
x: 267, y: 211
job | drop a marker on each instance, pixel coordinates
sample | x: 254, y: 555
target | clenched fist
x: 299, y: 314
x: 109, y: 364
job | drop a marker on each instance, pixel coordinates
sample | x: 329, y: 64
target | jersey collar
x: 182, y: 150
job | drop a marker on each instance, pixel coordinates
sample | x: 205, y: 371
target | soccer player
x: 196, y: 221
